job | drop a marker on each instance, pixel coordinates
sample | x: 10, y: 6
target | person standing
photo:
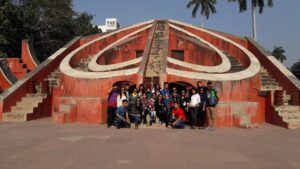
x: 156, y: 89
x: 112, y: 106
x: 212, y: 101
x: 174, y: 98
x: 122, y: 120
x: 132, y: 98
x: 165, y: 92
x: 127, y: 87
x: 149, y: 93
x: 141, y: 90
x: 194, y: 107
x: 178, y: 117
x: 202, y: 107
x: 188, y: 91
x: 201, y: 85
x: 121, y: 96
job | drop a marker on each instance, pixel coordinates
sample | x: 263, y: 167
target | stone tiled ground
x: 41, y: 144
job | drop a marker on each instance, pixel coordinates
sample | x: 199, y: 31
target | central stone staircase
x: 156, y: 56
x: 25, y: 109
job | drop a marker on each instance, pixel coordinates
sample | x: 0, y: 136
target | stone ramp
x: 156, y: 58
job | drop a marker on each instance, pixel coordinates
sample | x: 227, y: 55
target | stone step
x: 249, y: 125
x: 290, y: 119
x: 294, y: 125
x: 270, y: 83
x: 289, y: 115
x: 28, y: 104
x: 266, y: 77
x: 238, y: 66
x: 35, y: 95
x: 25, y: 106
x: 53, y: 77
x: 288, y: 108
x: 269, y: 78
x: 28, y: 108
x: 15, y: 117
x: 269, y: 88
x: 31, y: 99
x: 264, y: 73
x: 293, y: 121
x: 263, y: 70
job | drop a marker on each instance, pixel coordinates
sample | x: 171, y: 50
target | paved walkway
x: 41, y: 144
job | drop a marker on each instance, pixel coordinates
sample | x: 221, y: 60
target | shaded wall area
x: 125, y: 52
x: 221, y: 44
x: 92, y: 49
x: 192, y: 53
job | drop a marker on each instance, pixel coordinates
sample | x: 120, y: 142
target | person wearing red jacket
x: 178, y: 117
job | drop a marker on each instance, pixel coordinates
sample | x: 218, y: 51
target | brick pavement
x: 41, y: 144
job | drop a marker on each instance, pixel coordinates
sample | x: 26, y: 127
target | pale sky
x: 278, y: 26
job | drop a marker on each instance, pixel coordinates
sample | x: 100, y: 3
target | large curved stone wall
x: 111, y: 58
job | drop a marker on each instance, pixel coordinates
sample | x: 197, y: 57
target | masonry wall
x: 87, y: 96
x: 239, y: 100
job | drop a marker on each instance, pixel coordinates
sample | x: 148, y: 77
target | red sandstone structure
x: 72, y: 85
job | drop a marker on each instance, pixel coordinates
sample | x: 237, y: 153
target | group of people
x: 191, y: 106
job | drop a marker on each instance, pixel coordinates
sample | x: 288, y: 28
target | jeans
x: 111, y: 115
x: 122, y: 123
x: 137, y: 119
x: 202, y: 117
x: 179, y: 125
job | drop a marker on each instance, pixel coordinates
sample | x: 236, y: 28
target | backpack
x: 213, y: 99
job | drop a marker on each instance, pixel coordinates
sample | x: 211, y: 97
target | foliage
x: 207, y: 7
x: 49, y: 24
x: 278, y: 53
x: 295, y: 69
x: 256, y: 3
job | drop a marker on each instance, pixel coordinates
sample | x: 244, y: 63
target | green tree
x: 10, y: 32
x: 295, y: 69
x: 207, y: 7
x: 254, y: 3
x: 83, y: 26
x: 278, y: 53
x: 49, y: 24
